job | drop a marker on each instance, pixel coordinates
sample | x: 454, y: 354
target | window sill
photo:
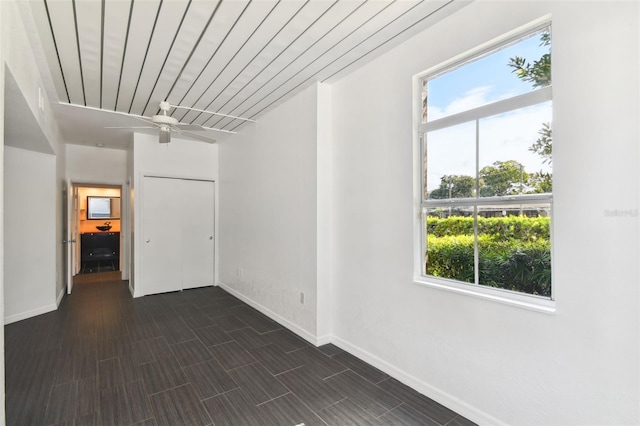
x: 523, y: 301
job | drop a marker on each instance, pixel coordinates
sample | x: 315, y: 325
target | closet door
x: 197, y: 233
x: 161, y: 235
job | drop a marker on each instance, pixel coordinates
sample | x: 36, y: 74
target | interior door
x: 74, y: 210
x: 161, y: 268
x: 197, y: 233
x: 67, y: 247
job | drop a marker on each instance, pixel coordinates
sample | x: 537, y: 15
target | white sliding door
x: 197, y: 233
x: 162, y: 235
x: 178, y: 239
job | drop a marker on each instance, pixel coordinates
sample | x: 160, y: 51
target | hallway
x: 196, y: 357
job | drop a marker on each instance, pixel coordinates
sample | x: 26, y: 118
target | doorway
x: 96, y: 228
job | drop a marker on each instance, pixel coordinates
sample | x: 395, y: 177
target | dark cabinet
x: 100, y: 251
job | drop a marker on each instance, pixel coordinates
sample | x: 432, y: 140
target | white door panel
x: 197, y: 233
x: 162, y: 235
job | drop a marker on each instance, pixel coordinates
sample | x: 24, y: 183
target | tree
x: 542, y: 145
x: 539, y: 75
x: 454, y: 186
x: 540, y: 182
x: 503, y: 178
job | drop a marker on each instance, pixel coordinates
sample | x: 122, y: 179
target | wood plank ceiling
x: 235, y: 57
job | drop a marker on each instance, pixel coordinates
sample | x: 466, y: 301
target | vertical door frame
x: 74, y: 219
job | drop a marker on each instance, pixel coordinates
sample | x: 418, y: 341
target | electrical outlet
x: 302, y: 298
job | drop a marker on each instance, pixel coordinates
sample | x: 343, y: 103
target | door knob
x: 147, y: 240
x: 211, y: 237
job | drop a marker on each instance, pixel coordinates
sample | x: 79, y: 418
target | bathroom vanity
x: 100, y: 251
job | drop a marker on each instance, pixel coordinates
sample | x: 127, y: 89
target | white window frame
x: 537, y: 96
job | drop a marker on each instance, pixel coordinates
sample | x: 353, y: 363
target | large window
x: 486, y: 158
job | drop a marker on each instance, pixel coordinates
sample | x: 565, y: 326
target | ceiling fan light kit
x: 165, y: 135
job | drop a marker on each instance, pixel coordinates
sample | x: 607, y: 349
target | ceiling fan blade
x: 213, y: 113
x: 198, y: 136
x: 147, y: 127
x: 182, y: 126
x: 219, y: 130
x: 146, y: 120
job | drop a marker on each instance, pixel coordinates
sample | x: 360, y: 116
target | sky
x: 502, y: 137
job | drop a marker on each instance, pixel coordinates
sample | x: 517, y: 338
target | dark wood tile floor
x: 197, y: 357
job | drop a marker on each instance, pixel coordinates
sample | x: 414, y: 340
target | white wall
x: 268, y: 213
x: 178, y: 159
x: 129, y: 193
x: 61, y: 199
x: 2, y: 77
x: 18, y: 56
x: 30, y: 234
x: 90, y: 164
x: 493, y: 362
x: 31, y: 128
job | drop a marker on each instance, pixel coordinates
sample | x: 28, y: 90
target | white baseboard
x: 30, y: 313
x: 133, y: 292
x: 324, y: 340
x: 309, y: 337
x: 61, y: 293
x: 449, y: 401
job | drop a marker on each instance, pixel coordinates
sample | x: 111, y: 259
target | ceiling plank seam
x: 274, y: 59
x: 251, y: 61
x: 388, y: 40
x: 265, y: 67
x: 124, y: 54
x: 75, y: 21
x: 175, y: 36
x: 308, y: 65
x: 210, y: 59
x: 206, y: 27
x: 101, y: 49
x: 55, y: 44
x: 231, y: 60
x: 146, y: 53
x: 330, y: 63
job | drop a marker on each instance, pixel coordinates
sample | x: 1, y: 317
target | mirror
x: 103, y: 207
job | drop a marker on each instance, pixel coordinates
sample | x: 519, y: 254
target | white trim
x: 486, y: 48
x: 324, y: 340
x: 60, y: 295
x: 470, y: 412
x: 535, y: 97
x: 505, y: 200
x: 506, y: 297
x: 418, y: 181
x: 132, y: 291
x: 30, y: 314
x: 503, y: 106
x: 309, y: 337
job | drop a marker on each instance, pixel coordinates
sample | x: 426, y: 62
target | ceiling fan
x: 167, y: 124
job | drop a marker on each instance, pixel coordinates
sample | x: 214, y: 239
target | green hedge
x: 516, y: 255
x: 521, y: 228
